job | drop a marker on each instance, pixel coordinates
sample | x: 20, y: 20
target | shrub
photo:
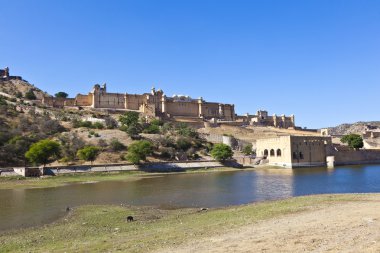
x: 186, y: 131
x: 110, y: 122
x: 157, y: 122
x: 247, y: 150
x: 167, y: 153
x: 152, y: 129
x: 221, y: 152
x: 40, y: 152
x: 116, y: 145
x: 132, y: 130
x: 88, y: 153
x: 30, y: 95
x: 183, y: 144
x: 87, y: 124
x: 97, y: 125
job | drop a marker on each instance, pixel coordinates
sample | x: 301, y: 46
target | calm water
x: 21, y: 208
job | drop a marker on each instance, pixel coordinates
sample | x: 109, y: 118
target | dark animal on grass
x: 67, y: 209
x: 129, y: 218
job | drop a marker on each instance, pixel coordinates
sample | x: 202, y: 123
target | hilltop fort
x: 157, y: 104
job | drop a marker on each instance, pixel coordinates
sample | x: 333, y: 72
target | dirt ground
x: 342, y: 227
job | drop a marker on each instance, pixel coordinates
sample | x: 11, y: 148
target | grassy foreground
x: 104, y: 228
x: 59, y: 180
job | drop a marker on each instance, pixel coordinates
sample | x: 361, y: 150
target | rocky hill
x: 18, y: 88
x: 355, y: 128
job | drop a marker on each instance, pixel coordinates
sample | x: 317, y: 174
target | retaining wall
x: 162, y: 166
x: 347, y: 157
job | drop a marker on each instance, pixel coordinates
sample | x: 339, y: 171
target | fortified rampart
x: 154, y: 104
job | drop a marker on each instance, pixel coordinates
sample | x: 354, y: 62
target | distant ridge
x: 354, y: 128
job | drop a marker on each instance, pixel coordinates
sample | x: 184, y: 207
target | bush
x: 183, y: 144
x: 221, y: 152
x: 152, y: 129
x: 110, y: 122
x: 186, y: 131
x: 30, y: 95
x: 157, y: 122
x: 87, y: 124
x: 40, y: 152
x: 116, y: 145
x: 131, y: 130
x: 88, y: 153
x: 97, y: 125
x: 138, y: 151
x: 247, y: 150
x: 167, y: 153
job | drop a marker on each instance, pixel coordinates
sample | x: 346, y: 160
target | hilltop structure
x: 4, y: 75
x: 155, y: 103
x: 261, y: 118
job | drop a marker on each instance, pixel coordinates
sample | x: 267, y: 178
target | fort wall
x: 190, y: 109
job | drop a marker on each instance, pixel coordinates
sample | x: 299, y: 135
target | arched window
x: 301, y: 155
x: 272, y: 152
x: 295, y: 155
x: 266, y: 152
x: 278, y: 152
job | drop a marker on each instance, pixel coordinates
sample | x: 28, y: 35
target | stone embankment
x: 151, y: 167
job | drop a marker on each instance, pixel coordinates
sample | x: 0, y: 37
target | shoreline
x: 19, y: 182
x: 104, y: 228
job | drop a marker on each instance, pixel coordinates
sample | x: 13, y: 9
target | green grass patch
x: 104, y: 228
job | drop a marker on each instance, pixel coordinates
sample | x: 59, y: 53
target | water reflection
x: 20, y: 208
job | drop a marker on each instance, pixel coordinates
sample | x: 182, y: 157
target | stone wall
x: 356, y: 157
x: 109, y: 100
x: 83, y: 100
x: 161, y: 166
x: 134, y: 101
x: 190, y: 109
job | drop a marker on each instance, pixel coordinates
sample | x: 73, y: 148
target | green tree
x: 30, y: 95
x: 221, y: 152
x: 247, y: 150
x: 138, y: 151
x: 40, y: 152
x: 129, y: 118
x: 88, y: 153
x: 354, y: 141
x: 61, y: 94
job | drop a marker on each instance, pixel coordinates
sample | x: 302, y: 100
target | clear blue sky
x: 319, y: 60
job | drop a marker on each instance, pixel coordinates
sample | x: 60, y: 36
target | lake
x: 30, y: 207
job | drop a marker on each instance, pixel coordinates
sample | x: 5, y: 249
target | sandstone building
x: 155, y: 103
x: 294, y: 151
